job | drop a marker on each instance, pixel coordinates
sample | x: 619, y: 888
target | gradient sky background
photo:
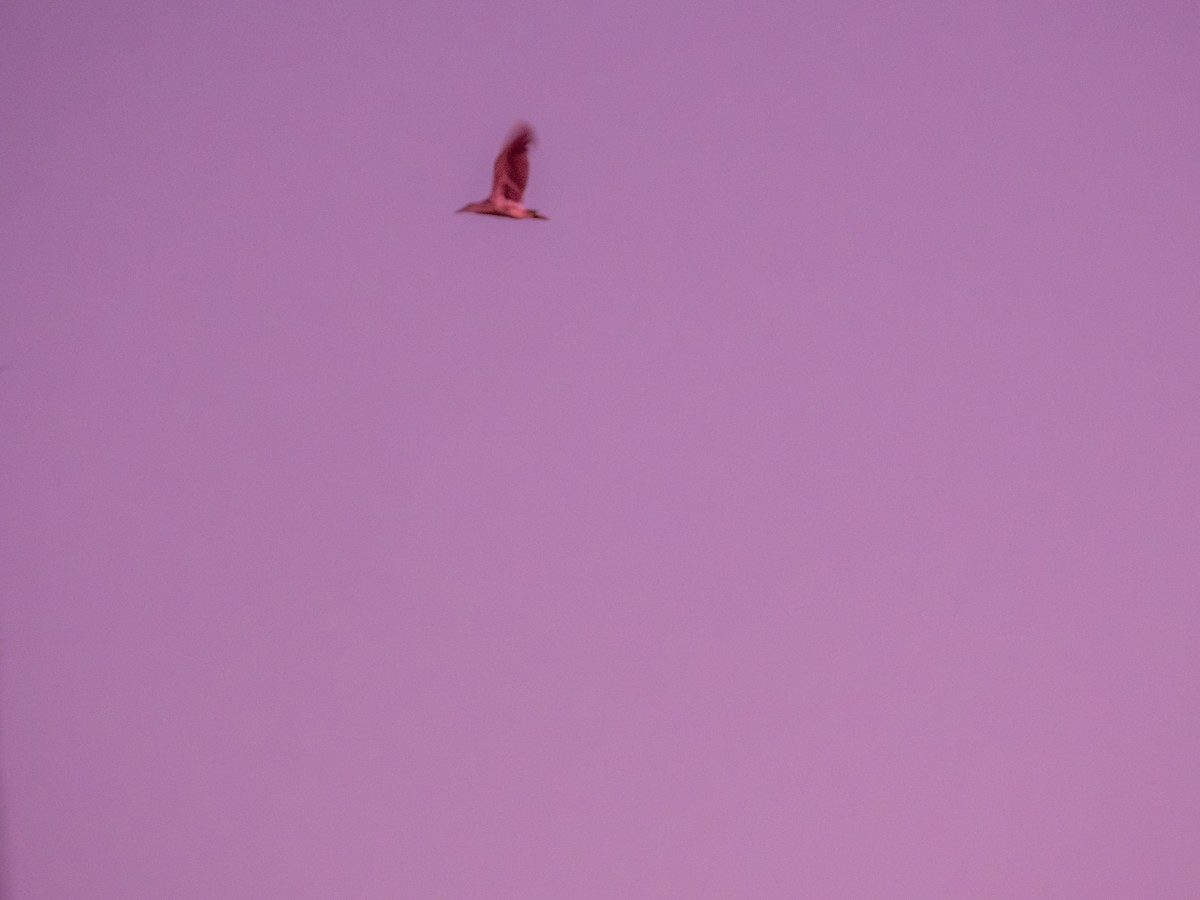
x: 811, y: 508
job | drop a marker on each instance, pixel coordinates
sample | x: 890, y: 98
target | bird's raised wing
x: 512, y: 165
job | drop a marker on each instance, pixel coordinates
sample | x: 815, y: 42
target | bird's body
x: 509, y: 177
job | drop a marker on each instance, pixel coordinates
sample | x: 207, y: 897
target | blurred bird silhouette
x: 510, y: 175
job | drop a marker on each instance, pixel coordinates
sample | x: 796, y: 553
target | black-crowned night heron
x: 511, y: 174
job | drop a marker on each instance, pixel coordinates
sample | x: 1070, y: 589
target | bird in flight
x: 511, y: 174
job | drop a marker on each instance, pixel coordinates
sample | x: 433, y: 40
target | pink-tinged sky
x: 810, y: 509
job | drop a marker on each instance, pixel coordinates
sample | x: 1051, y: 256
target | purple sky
x: 810, y: 509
